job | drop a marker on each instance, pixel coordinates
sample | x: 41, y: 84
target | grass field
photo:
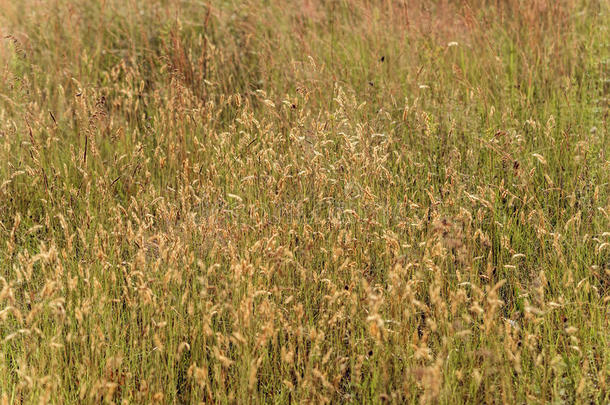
x: 263, y: 201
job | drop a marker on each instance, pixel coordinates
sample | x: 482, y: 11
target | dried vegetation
x: 310, y: 201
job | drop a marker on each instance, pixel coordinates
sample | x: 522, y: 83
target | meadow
x: 342, y: 201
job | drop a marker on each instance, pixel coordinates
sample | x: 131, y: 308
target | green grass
x: 343, y: 201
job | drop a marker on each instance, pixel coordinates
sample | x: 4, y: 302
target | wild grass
x: 311, y: 201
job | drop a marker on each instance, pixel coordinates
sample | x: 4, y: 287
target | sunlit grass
x: 309, y: 201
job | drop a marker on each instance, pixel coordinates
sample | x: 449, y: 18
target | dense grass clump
x: 309, y: 201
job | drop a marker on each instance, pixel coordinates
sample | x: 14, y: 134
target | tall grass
x: 311, y: 201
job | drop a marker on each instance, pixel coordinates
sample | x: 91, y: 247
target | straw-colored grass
x: 309, y: 201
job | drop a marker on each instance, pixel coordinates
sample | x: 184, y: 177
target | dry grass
x: 346, y: 201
